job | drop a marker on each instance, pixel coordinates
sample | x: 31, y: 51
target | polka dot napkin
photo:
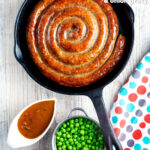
x: 130, y: 114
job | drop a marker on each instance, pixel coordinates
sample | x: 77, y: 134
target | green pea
x: 60, y: 144
x: 74, y: 148
x: 76, y: 142
x: 64, y: 130
x: 68, y: 136
x: 82, y: 127
x: 64, y: 125
x: 87, y: 126
x: 85, y: 148
x: 81, y: 123
x: 78, y: 138
x: 64, y: 146
x: 73, y: 131
x: 61, y: 139
x: 80, y: 119
x: 91, y: 134
x: 94, y: 140
x: 71, y: 126
x: 76, y: 120
x: 85, y: 132
x: 76, y: 129
x: 83, y: 143
x: 86, y: 137
x: 70, y: 140
x: 97, y: 143
x: 67, y: 143
x: 79, y: 145
x: 69, y: 147
x: 82, y: 132
x: 77, y: 124
x: 59, y: 133
x: 97, y: 148
x: 82, y: 138
x: 64, y: 135
x: 68, y: 129
x: 57, y: 137
x: 71, y: 121
x: 88, y: 141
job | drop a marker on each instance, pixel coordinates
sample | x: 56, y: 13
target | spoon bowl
x: 16, y: 139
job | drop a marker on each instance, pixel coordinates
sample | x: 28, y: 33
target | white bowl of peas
x: 78, y: 133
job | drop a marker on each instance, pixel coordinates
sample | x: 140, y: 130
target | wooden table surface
x: 17, y: 89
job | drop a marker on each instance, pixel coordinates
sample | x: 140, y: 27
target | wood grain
x: 17, y: 89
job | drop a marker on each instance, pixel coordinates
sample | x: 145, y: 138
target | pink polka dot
x: 126, y: 82
x: 147, y: 118
x: 118, y: 110
x: 133, y: 97
x: 122, y: 123
x: 117, y: 131
x: 137, y: 134
x: 126, y: 149
x: 145, y: 79
x: 116, y: 99
x: 141, y: 90
x: 142, y: 125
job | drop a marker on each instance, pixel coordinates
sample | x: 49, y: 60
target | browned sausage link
x: 107, y: 67
x: 72, y: 42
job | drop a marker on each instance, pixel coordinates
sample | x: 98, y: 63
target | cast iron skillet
x: 94, y: 91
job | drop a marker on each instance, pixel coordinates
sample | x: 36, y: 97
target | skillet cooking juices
x: 34, y: 120
x: 74, y: 42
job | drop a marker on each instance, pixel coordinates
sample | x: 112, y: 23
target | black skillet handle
x: 107, y: 129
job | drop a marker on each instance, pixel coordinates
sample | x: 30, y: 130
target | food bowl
x: 54, y: 146
x: 16, y: 139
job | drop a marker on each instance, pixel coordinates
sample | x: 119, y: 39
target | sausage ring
x: 74, y: 42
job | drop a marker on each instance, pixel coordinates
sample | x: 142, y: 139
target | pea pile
x: 79, y: 134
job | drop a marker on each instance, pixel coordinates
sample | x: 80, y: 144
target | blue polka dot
x: 114, y: 119
x: 121, y: 102
x: 130, y: 107
x: 148, y: 109
x: 140, y: 66
x: 146, y: 140
x: 147, y: 58
x: 137, y: 147
x: 132, y: 85
x: 134, y: 120
x: 123, y: 92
